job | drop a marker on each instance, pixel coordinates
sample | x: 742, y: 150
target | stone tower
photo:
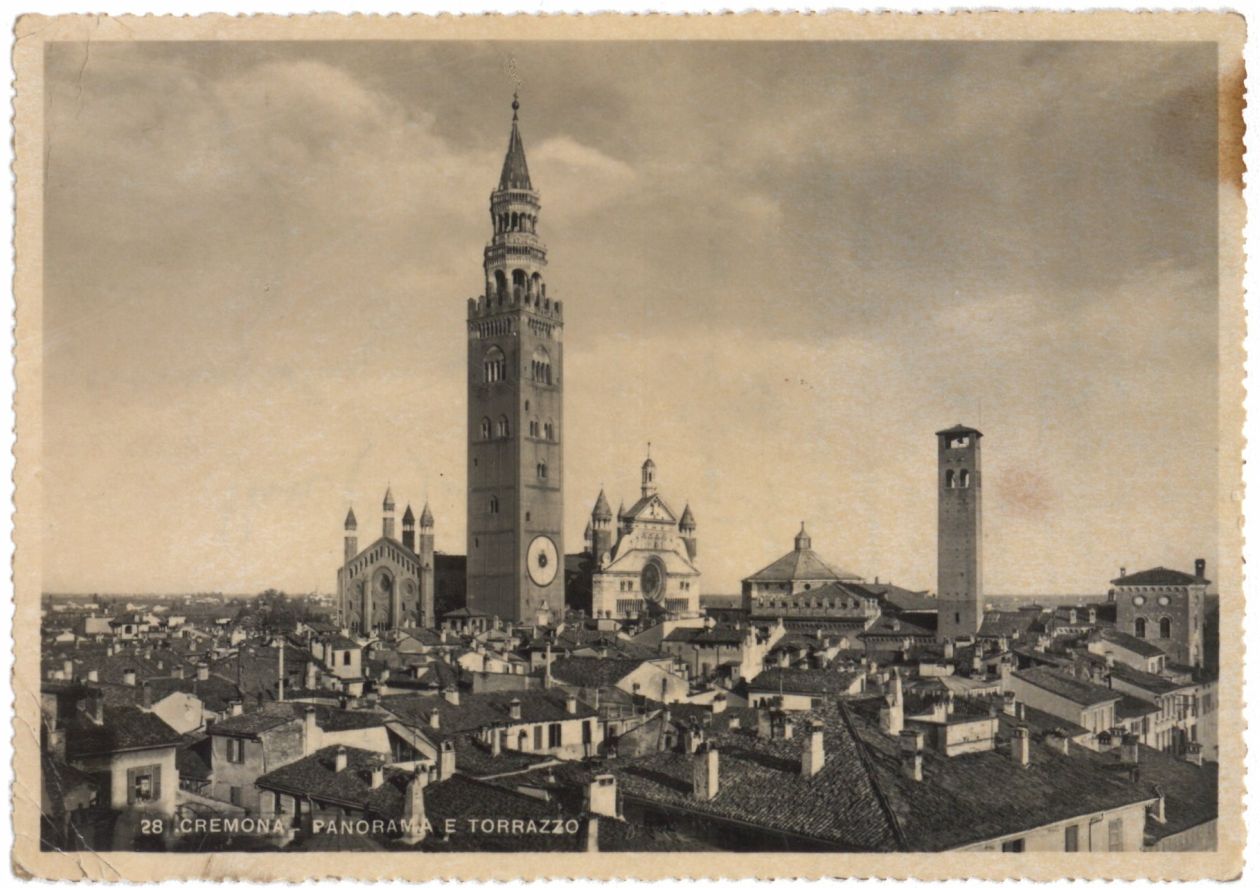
x: 959, y: 570
x: 515, y: 412
x: 428, y: 577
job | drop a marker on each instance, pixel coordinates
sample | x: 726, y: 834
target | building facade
x: 1165, y: 608
x: 515, y: 413
x: 649, y: 565
x: 389, y: 584
x: 959, y: 565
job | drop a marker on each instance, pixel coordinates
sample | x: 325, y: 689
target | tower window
x: 542, y: 471
x: 964, y: 478
x: 494, y: 365
x: 1165, y: 628
x: 533, y: 428
x: 485, y: 428
x: 542, y: 366
x: 494, y: 505
x: 949, y: 478
x: 1139, y: 627
x: 549, y: 431
x: 504, y: 428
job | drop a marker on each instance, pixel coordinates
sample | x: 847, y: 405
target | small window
x: 494, y: 505
x: 504, y: 428
x: 553, y: 735
x: 485, y: 428
x: 1165, y: 628
x: 1115, y: 835
x: 538, y: 736
x: 549, y: 431
x: 1139, y: 627
x: 234, y: 795
x: 1013, y: 846
x: 964, y: 478
x: 345, y: 658
x: 949, y: 478
x: 542, y: 471
x: 1072, y: 838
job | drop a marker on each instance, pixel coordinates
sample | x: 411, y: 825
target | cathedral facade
x: 647, y: 565
x: 515, y: 413
x: 390, y: 583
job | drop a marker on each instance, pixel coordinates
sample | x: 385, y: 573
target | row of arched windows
x: 546, y: 430
x: 500, y: 429
x: 1165, y: 627
x: 954, y: 480
x: 494, y: 365
x: 505, y: 222
x: 524, y: 286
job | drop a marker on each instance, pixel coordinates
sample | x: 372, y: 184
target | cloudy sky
x: 786, y: 266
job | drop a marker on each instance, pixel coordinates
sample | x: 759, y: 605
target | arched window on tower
x: 485, y: 428
x: 542, y: 471
x: 542, y: 366
x: 500, y: 285
x: 964, y: 478
x: 494, y: 505
x: 549, y: 430
x: 533, y: 428
x: 504, y: 429
x: 949, y: 478
x: 520, y: 282
x: 1139, y: 627
x: 1165, y: 628
x: 494, y: 365
x: 535, y: 286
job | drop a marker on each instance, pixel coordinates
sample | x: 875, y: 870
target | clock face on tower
x: 542, y: 560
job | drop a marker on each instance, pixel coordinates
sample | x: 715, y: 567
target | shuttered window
x: 1115, y: 835
x: 144, y: 785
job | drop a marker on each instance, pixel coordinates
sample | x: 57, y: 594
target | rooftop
x: 1083, y: 693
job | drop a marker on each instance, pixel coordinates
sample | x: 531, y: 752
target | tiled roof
x: 191, y: 762
x: 1005, y: 624
x: 809, y: 681
x: 1063, y: 685
x: 472, y: 758
x: 1160, y: 576
x: 1134, y: 707
x: 477, y: 711
x: 1040, y: 723
x: 761, y: 785
x: 800, y: 564
x: 592, y: 672
x: 1190, y: 791
x: 214, y: 692
x: 273, y: 715
x: 706, y: 635
x: 1130, y: 643
x: 124, y: 728
x: 887, y: 624
x: 515, y: 174
x: 901, y: 599
x: 1147, y: 681
x: 979, y: 796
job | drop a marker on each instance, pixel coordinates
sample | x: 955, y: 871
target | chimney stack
x: 601, y: 796
x: 378, y: 772
x: 146, y: 696
x: 496, y: 742
x: 515, y: 709
x: 1008, y: 703
x: 67, y: 670
x: 812, y: 754
x: 704, y: 772
x: 236, y: 707
x: 912, y: 755
x: 413, y: 806
x: 1129, y: 749
x: 1019, y: 746
x: 203, y: 671
x: 339, y: 760
x: 308, y: 730
x: 1058, y: 741
x: 892, y: 715
x: 450, y: 694
x: 435, y: 720
x: 570, y: 704
x: 93, y: 676
x: 446, y: 760
x: 129, y: 677
x: 1200, y: 568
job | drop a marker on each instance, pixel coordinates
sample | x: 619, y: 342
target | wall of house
x: 1091, y: 835
x: 1197, y: 838
x: 183, y: 712
x: 118, y: 764
x: 277, y: 747
x: 1097, y: 718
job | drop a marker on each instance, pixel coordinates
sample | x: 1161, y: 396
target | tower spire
x: 515, y: 175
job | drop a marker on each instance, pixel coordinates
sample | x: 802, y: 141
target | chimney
x: 912, y: 755
x: 812, y: 754
x: 1157, y: 808
x: 435, y: 720
x: 378, y: 772
x: 413, y: 806
x: 547, y: 667
x: 312, y: 675
x: 1058, y: 741
x: 592, y: 834
x: 704, y: 773
x: 236, y: 707
x: 308, y: 730
x: 570, y: 704
x: 1093, y: 615
x: 1019, y: 710
x: 446, y: 760
x: 93, y: 706
x: 601, y: 796
x: 764, y: 729
x: 93, y: 676
x: 1200, y: 568
x: 1129, y: 749
x: 179, y: 670
x: 203, y: 671
x: 496, y: 742
x: 450, y: 694
x: 339, y: 760
x: 515, y: 709
x: 146, y: 696
x: 1019, y: 746
x: 718, y: 704
x: 1008, y: 703
x: 129, y: 677
x: 67, y: 670
x: 892, y: 715
x: 280, y: 676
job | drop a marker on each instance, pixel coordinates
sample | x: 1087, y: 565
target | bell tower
x: 515, y: 412
x: 959, y: 573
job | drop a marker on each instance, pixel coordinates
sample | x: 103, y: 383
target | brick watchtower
x: 515, y: 412
x: 959, y: 571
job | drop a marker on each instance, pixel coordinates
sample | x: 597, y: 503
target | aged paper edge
x: 34, y: 31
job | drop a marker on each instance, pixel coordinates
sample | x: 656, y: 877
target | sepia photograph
x: 727, y: 440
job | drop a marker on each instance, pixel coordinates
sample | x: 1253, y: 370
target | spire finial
x: 516, y: 102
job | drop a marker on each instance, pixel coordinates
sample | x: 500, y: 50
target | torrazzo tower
x: 515, y: 412
x: 959, y: 533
